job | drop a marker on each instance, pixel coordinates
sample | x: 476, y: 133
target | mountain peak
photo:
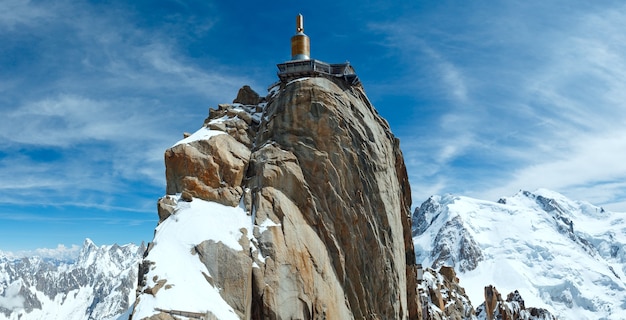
x: 100, y: 284
x: 88, y: 243
x: 301, y: 187
x: 87, y: 252
x: 563, y: 255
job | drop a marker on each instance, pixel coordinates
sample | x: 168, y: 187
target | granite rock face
x: 231, y: 271
x: 331, y: 173
x: 211, y: 169
x: 324, y: 183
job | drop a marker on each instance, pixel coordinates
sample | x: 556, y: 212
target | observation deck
x: 291, y: 70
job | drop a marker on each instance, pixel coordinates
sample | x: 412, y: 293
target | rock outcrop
x: 323, y: 181
x: 512, y: 309
x: 211, y: 169
x: 247, y: 96
x: 442, y: 297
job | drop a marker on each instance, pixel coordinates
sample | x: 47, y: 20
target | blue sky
x: 487, y: 98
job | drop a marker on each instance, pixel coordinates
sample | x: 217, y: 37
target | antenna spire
x: 300, y: 42
x: 299, y: 23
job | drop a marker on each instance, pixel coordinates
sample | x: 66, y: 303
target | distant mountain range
x: 566, y: 256
x: 99, y: 284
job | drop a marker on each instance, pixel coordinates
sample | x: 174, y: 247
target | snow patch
x: 186, y: 288
x: 202, y: 134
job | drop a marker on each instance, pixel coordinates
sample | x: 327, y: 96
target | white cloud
x: 175, y: 73
x: 592, y: 162
x: 579, y: 95
x: 453, y: 81
x: 61, y: 252
x: 88, y: 147
x: 536, y: 99
x: 114, y: 96
x: 422, y: 60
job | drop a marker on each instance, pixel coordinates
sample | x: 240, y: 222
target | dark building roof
x: 291, y: 70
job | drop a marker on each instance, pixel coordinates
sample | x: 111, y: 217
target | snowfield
x: 562, y: 255
x: 186, y: 289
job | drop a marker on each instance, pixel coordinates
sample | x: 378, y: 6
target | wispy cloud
x: 592, y: 170
x: 418, y: 55
x: 66, y: 119
x: 15, y: 13
x: 534, y: 99
x: 580, y: 94
x: 100, y: 100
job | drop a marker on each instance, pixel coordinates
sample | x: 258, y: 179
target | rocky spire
x: 329, y: 170
x: 324, y: 184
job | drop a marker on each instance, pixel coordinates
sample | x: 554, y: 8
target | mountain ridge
x: 563, y: 255
x: 99, y: 283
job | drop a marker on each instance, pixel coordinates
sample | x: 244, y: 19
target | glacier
x: 566, y: 256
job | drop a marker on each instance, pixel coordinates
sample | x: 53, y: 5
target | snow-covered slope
x: 566, y: 256
x: 99, y: 284
x: 176, y: 280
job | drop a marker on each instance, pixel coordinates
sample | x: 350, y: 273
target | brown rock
x: 491, y: 301
x: 449, y: 274
x: 228, y: 196
x: 513, y: 309
x: 208, y: 169
x: 331, y: 173
x: 165, y: 207
x: 297, y: 270
x: 436, y: 298
x: 516, y: 297
x: 235, y: 126
x: 186, y: 196
x: 161, y: 316
x: 445, y: 299
x: 329, y: 195
x: 239, y: 121
x: 231, y: 272
x: 153, y: 290
x: 247, y: 96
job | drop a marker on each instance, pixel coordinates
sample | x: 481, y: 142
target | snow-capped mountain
x: 99, y: 284
x: 566, y: 256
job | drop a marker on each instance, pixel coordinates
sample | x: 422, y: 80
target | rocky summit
x: 291, y: 206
